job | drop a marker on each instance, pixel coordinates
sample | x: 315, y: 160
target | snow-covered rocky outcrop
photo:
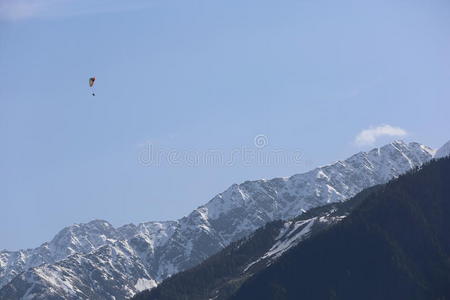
x: 127, y: 259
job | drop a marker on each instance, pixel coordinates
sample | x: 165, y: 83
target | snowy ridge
x: 443, y: 151
x: 153, y: 251
x: 76, y: 239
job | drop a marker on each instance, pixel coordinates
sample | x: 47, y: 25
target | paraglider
x: 91, y: 84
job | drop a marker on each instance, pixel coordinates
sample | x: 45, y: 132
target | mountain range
x: 389, y: 242
x: 96, y: 260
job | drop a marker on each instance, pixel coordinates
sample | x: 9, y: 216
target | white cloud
x: 370, y: 136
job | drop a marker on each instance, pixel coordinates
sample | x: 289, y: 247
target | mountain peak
x: 99, y: 222
x: 398, y: 142
x: 443, y: 151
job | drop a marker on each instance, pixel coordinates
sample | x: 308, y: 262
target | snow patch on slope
x: 144, y: 284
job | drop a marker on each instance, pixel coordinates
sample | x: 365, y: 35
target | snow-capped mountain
x: 80, y: 238
x: 75, y: 239
x: 130, y: 258
x: 443, y: 151
x: 86, y: 244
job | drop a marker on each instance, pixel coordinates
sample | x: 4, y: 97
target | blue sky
x: 322, y: 78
